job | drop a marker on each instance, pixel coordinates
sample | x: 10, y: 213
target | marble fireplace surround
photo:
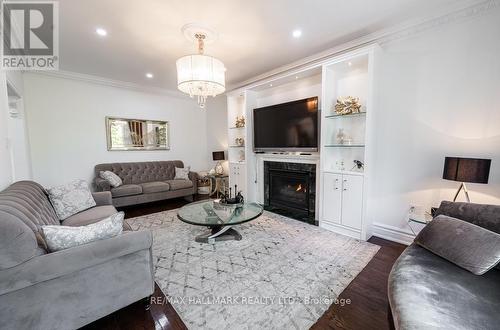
x: 287, y: 158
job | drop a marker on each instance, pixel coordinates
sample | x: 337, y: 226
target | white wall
x: 439, y: 96
x: 300, y: 89
x: 5, y: 159
x: 17, y: 129
x: 66, y: 124
x: 216, y: 128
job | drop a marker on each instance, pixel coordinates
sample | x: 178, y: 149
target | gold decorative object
x: 347, y: 105
x: 239, y: 142
x: 240, y: 122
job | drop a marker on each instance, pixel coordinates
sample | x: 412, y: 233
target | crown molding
x: 108, y: 82
x: 462, y: 10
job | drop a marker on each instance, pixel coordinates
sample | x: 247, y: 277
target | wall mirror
x: 137, y: 134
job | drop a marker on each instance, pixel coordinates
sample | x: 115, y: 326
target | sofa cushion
x: 182, y: 173
x: 113, y: 179
x: 153, y: 187
x: 140, y: 172
x: 90, y: 216
x: 179, y: 184
x: 71, y: 198
x: 126, y: 190
x: 17, y: 241
x: 428, y: 292
x: 65, y: 237
x: 466, y: 245
x: 482, y: 215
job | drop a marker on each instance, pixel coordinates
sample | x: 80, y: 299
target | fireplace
x: 290, y: 189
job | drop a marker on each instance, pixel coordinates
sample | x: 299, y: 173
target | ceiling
x: 254, y: 36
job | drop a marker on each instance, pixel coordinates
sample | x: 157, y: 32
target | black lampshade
x: 466, y: 169
x: 218, y: 155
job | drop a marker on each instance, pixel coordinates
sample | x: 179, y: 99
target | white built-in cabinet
x: 343, y: 199
x: 343, y: 191
x: 237, y: 176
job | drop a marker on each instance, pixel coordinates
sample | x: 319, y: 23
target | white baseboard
x: 392, y: 233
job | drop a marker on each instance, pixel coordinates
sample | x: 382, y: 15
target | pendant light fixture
x: 200, y: 75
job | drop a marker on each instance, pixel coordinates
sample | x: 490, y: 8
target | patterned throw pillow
x: 65, y: 237
x: 71, y: 198
x: 113, y: 179
x: 182, y: 173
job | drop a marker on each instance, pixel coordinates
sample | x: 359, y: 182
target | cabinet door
x: 332, y: 197
x: 233, y: 175
x: 242, y: 179
x: 352, y: 201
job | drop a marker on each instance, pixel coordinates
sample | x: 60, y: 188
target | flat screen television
x: 291, y: 126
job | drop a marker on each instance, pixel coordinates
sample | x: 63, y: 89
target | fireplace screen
x: 289, y: 189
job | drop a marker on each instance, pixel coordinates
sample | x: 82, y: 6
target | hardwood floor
x: 369, y: 307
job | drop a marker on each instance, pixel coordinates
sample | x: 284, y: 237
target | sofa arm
x: 193, y: 176
x: 102, y: 198
x: 61, y: 263
x: 102, y: 185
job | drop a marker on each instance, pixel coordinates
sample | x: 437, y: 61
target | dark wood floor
x: 369, y: 307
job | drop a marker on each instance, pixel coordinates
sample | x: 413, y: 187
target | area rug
x: 283, y: 274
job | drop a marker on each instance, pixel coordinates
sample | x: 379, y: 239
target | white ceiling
x: 254, y: 35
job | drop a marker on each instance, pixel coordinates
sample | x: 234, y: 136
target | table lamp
x: 218, y: 156
x: 463, y: 170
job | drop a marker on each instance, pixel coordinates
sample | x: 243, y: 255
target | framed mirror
x: 137, y: 134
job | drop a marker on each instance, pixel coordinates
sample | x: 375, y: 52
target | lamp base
x: 219, y: 170
x: 464, y: 187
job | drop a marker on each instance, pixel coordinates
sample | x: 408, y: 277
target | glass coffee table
x: 218, y: 218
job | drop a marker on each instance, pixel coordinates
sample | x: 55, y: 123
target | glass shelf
x: 359, y: 114
x: 344, y: 145
x: 236, y: 146
x: 236, y: 127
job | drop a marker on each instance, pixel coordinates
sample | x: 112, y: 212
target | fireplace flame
x: 299, y: 188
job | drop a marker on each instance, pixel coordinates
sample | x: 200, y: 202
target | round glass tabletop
x: 210, y: 214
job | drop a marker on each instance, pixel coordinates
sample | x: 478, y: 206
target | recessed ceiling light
x: 349, y: 63
x: 297, y: 33
x: 296, y: 77
x: 270, y: 85
x: 149, y: 75
x: 101, y: 32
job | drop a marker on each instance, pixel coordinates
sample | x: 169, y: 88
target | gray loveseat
x: 145, y: 182
x: 429, y: 292
x: 70, y: 288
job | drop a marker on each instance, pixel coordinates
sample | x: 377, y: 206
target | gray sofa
x: 429, y: 292
x: 145, y: 182
x: 70, y: 288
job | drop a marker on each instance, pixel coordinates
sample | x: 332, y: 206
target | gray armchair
x: 70, y: 288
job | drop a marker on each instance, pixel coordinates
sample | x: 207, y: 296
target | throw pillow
x: 113, y: 179
x: 182, y: 173
x: 466, y: 245
x: 71, y: 198
x: 65, y: 237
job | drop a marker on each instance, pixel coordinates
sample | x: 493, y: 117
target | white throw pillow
x: 113, y: 179
x: 71, y: 198
x: 182, y: 173
x: 65, y: 237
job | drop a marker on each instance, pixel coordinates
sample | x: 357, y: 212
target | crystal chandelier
x: 200, y: 75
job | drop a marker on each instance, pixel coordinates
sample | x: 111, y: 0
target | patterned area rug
x: 283, y: 274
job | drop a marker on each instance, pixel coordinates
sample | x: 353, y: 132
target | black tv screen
x: 291, y: 126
